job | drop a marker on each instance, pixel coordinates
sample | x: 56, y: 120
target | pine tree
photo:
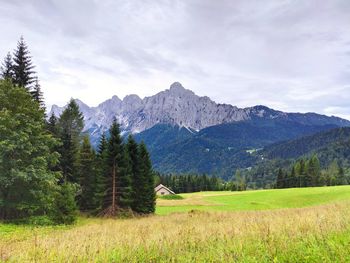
x: 118, y: 185
x: 70, y: 124
x: 87, y: 199
x: 52, y: 125
x: 37, y: 94
x: 280, y: 179
x: 138, y: 181
x: 293, y: 178
x: 333, y: 172
x: 147, y: 174
x: 313, y: 171
x: 23, y: 66
x: 52, y: 128
x: 7, y: 68
x: 102, y: 172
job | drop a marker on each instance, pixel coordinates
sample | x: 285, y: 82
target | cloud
x: 284, y: 54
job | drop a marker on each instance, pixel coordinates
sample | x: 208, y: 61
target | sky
x: 290, y: 55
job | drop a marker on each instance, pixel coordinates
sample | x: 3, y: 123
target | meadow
x: 291, y: 225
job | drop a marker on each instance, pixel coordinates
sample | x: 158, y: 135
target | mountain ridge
x: 181, y: 107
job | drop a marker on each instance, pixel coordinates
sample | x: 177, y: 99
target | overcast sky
x: 288, y: 55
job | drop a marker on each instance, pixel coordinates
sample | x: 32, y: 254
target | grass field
x: 319, y: 231
x: 254, y: 200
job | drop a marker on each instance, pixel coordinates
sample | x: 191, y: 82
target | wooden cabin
x: 163, y: 190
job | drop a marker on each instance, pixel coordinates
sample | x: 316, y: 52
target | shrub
x: 65, y: 207
x: 171, y: 197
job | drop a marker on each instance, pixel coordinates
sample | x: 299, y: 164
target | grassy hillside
x: 309, y: 234
x: 254, y: 200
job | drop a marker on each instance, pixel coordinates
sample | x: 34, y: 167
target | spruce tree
x: 293, y: 178
x: 280, y: 183
x: 87, y: 199
x: 118, y: 185
x: 147, y: 173
x: 7, y: 68
x: 23, y: 66
x: 102, y: 172
x: 138, y: 180
x: 70, y: 124
x: 52, y: 125
x: 37, y: 94
x: 313, y: 171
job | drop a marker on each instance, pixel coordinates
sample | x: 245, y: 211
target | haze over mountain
x: 181, y: 107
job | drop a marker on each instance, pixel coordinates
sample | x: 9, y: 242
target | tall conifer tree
x: 118, y: 185
x: 70, y: 124
x: 7, y: 68
x: 138, y: 180
x: 37, y: 94
x: 23, y: 66
x: 87, y: 199
x: 147, y: 173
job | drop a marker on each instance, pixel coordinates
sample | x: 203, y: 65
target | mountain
x: 219, y: 149
x: 178, y: 106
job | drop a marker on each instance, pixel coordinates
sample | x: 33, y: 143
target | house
x: 163, y: 190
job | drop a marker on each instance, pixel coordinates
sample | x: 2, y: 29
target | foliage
x: 88, y: 199
x: 26, y: 183
x: 64, y: 210
x: 70, y: 126
x: 189, y: 183
x: 149, y: 195
x: 170, y: 197
x: 7, y: 68
x: 23, y: 66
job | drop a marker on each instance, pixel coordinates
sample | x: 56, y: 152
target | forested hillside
x: 218, y: 150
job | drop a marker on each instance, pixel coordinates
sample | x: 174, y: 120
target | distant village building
x: 163, y: 190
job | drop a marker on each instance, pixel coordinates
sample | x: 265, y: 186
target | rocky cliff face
x: 178, y: 106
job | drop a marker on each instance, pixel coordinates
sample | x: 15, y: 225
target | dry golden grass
x: 311, y: 234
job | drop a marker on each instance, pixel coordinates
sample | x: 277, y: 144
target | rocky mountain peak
x: 178, y: 90
x: 176, y: 106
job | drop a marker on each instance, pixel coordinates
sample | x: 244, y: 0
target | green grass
x: 258, y: 200
x: 171, y: 197
x: 319, y: 232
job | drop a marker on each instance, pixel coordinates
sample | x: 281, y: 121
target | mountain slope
x: 218, y: 149
x: 335, y: 142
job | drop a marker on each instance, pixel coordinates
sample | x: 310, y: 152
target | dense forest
x: 48, y: 168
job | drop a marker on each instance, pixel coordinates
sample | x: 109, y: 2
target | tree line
x: 308, y: 173
x: 48, y: 169
x: 189, y: 183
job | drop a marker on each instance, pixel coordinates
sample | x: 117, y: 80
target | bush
x: 171, y: 197
x: 65, y: 207
x: 39, y: 221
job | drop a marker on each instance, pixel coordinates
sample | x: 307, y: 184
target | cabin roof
x: 160, y: 186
